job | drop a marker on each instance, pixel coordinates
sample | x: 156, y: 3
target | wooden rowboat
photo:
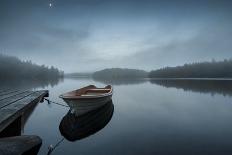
x: 87, y: 98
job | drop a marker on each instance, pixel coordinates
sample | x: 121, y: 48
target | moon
x: 50, y: 5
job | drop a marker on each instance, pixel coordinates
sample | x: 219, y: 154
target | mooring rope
x: 51, y: 148
x: 49, y: 101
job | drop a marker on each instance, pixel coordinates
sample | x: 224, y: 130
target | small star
x: 50, y: 5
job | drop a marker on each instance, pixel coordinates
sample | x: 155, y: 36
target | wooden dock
x: 13, y: 105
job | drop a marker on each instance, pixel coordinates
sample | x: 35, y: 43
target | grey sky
x: 88, y: 35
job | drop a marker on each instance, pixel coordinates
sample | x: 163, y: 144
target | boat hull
x: 82, y: 106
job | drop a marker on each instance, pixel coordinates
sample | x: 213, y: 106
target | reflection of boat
x: 74, y: 127
x: 87, y: 98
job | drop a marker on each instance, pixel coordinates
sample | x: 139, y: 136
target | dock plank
x: 24, y: 101
x: 11, y: 99
x: 7, y: 92
x: 12, y: 111
x: 5, y: 89
x: 8, y: 95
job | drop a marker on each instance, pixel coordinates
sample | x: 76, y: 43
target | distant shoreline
x: 212, y: 70
x: 146, y: 78
x: 190, y: 78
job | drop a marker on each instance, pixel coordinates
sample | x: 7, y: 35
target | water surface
x: 149, y: 117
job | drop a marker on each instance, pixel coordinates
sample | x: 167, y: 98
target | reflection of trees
x: 28, y: 84
x: 120, y: 81
x: 203, y: 86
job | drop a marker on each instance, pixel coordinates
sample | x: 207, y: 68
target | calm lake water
x: 149, y: 117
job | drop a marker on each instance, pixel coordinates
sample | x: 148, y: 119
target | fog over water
x: 88, y: 35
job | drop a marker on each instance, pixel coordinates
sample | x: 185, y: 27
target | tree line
x: 213, y: 69
x: 119, y: 73
x: 210, y: 69
x: 14, y: 68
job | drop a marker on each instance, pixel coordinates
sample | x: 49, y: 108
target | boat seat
x: 93, y: 91
x: 99, y: 89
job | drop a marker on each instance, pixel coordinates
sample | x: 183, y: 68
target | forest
x: 119, y: 73
x: 78, y: 75
x: 12, y: 68
x: 212, y: 69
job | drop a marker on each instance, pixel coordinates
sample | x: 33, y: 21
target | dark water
x: 146, y: 117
